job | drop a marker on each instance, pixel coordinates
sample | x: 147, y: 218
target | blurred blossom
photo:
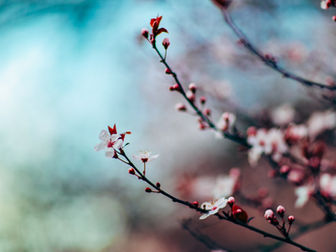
x: 320, y: 122
x: 283, y: 115
x: 303, y: 194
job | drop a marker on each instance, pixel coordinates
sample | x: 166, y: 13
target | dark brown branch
x: 270, y: 62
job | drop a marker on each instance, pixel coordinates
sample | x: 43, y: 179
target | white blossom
x: 213, y: 207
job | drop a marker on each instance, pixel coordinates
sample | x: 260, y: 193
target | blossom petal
x: 110, y: 154
x: 104, y: 135
x: 100, y: 146
x: 204, y: 216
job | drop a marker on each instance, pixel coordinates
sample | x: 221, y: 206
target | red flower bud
x: 231, y: 201
x: 202, y: 100
x: 281, y: 210
x: 239, y: 214
x: 148, y: 190
x: 158, y: 184
x: 269, y: 214
x: 131, y: 171
x: 191, y: 96
x: 168, y: 71
x: 180, y: 107
x: 195, y: 203
x: 175, y: 87
x: 192, y: 87
x: 291, y: 219
x: 207, y: 112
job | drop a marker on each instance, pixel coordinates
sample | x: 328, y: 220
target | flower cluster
x: 156, y: 30
x: 263, y: 141
x: 273, y: 220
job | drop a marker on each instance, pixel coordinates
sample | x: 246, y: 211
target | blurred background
x: 70, y: 68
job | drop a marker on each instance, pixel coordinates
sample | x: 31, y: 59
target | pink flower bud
x: 202, y: 126
x: 202, y: 100
x: 334, y: 18
x: 174, y: 87
x: 166, y: 43
x: 144, y: 33
x: 207, y: 112
x: 281, y: 210
x: 291, y: 219
x: 284, y: 169
x: 191, y: 96
x: 180, y: 107
x: 192, y: 87
x: 251, y: 131
x: 231, y: 201
x: 269, y: 215
x: 168, y: 71
x: 296, y: 177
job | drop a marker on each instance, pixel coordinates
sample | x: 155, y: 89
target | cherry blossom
x: 283, y: 115
x: 320, y: 122
x: 145, y: 156
x: 111, y: 140
x: 269, y: 142
x: 226, y: 121
x: 226, y: 185
x: 328, y: 185
x: 213, y: 207
x: 295, y: 133
x: 303, y: 194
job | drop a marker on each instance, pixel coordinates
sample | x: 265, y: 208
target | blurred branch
x: 269, y: 61
x: 206, y: 240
